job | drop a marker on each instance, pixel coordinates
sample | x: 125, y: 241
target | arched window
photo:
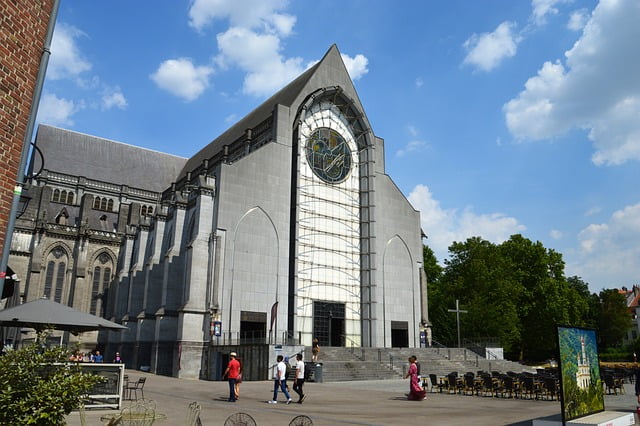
x: 150, y: 211
x: 63, y: 217
x: 103, y: 204
x: 100, y: 284
x: 143, y: 211
x: 56, y: 195
x: 110, y: 205
x: 96, y: 203
x: 103, y: 222
x: 55, y: 275
x: 70, y: 197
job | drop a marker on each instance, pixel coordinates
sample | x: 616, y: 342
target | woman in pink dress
x: 416, y: 393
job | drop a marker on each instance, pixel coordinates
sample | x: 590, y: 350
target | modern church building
x: 283, y: 229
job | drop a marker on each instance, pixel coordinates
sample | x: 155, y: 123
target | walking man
x: 298, y: 382
x: 232, y: 372
x: 280, y: 381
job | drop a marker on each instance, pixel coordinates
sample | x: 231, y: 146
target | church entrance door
x: 253, y: 327
x: 399, y: 334
x: 328, y: 323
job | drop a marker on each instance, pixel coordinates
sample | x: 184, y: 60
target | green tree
x: 38, y: 386
x: 544, y: 294
x: 614, y: 319
x: 432, y: 268
x: 476, y: 275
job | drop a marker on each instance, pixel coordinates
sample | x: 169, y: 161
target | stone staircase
x: 345, y: 364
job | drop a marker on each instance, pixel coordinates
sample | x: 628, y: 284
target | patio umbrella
x: 44, y: 313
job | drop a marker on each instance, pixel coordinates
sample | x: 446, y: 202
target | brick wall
x: 23, y: 29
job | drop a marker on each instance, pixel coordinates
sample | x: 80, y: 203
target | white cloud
x: 259, y: 55
x: 356, y: 66
x: 556, y: 234
x: 544, y: 8
x: 578, y: 19
x: 240, y: 13
x: 253, y: 42
x: 487, y: 50
x: 56, y: 111
x: 66, y: 60
x: 113, y: 97
x: 181, y: 78
x: 609, y: 252
x: 597, y: 89
x: 419, y: 82
x: 412, y: 146
x: 592, y: 211
x: 444, y: 226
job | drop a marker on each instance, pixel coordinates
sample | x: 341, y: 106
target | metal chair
x: 193, y: 415
x: 135, y: 387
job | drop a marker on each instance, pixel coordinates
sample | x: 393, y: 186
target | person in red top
x: 232, y: 372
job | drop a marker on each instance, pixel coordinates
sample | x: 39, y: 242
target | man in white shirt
x: 298, y: 382
x: 280, y: 380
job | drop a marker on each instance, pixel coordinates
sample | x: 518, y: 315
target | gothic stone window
x: 100, y: 283
x: 63, y: 217
x: 62, y: 196
x: 103, y: 203
x: 55, y: 274
x: 146, y: 210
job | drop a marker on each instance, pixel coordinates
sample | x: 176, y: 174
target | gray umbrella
x: 44, y: 313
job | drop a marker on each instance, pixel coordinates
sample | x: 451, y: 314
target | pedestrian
x: 97, y: 357
x: 298, y: 382
x: 280, y: 380
x: 117, y: 359
x: 232, y: 371
x: 315, y: 349
x: 416, y: 393
x: 239, y: 379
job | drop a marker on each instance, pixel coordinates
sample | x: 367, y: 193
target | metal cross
x: 458, y: 312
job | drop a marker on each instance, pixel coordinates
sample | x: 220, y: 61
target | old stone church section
x: 283, y: 229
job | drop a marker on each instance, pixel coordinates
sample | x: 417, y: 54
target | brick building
x: 23, y: 31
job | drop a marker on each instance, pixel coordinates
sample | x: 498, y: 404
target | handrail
x: 353, y: 346
x: 434, y: 342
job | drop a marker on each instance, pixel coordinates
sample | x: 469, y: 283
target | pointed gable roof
x: 330, y: 71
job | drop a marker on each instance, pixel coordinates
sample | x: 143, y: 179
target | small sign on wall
x: 216, y: 328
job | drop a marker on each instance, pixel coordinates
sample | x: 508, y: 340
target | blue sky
x: 499, y: 116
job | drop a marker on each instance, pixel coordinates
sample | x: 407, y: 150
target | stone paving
x: 377, y: 402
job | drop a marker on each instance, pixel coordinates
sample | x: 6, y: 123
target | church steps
x: 345, y: 364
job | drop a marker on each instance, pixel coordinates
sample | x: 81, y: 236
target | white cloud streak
x: 578, y: 19
x: 66, y: 61
x: 57, y: 111
x: 113, y: 98
x: 543, y: 8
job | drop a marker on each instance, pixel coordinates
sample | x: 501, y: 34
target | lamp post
x: 458, y: 312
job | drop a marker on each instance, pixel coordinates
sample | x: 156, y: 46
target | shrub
x: 38, y: 386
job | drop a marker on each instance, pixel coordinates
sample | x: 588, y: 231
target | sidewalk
x: 379, y: 402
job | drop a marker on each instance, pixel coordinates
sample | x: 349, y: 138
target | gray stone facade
x: 272, y: 233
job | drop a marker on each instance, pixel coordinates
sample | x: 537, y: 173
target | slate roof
x: 78, y: 154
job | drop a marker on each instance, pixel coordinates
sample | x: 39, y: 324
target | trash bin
x: 317, y: 372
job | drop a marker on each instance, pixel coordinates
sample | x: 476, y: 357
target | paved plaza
x: 381, y: 402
